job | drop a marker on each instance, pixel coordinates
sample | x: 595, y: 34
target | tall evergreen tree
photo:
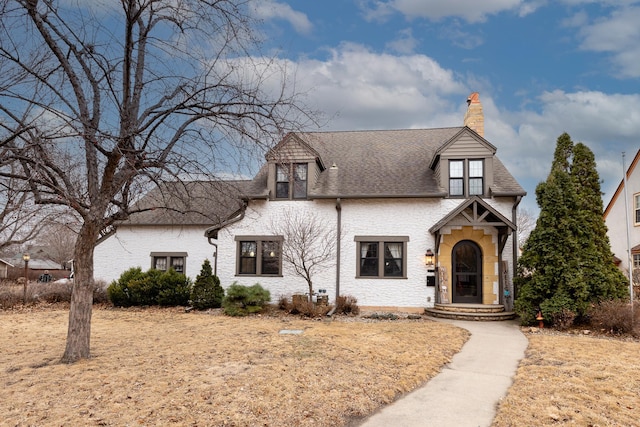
x: 566, y: 262
x: 605, y: 280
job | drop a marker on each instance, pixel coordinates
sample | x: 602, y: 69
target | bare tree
x: 98, y: 101
x: 526, y: 224
x: 59, y: 238
x: 309, y: 245
x: 21, y: 220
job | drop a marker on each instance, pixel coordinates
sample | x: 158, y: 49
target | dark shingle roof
x: 359, y: 164
x: 189, y: 203
x: 383, y: 163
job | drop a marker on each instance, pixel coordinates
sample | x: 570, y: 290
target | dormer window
x: 476, y: 177
x: 291, y: 181
x: 466, y: 178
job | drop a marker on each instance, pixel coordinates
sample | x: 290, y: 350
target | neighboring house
x: 4, y: 267
x: 395, y: 195
x: 616, y: 218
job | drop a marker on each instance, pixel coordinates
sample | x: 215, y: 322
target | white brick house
x: 397, y: 195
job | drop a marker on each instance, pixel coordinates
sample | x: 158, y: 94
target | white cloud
x: 270, y: 9
x: 358, y: 88
x: 405, y: 43
x: 607, y: 123
x: 366, y: 90
x: 469, y: 10
x: 617, y: 34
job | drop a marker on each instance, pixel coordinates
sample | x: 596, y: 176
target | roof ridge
x: 380, y: 130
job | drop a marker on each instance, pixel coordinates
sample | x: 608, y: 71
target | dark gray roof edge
x: 379, y: 196
x: 508, y: 193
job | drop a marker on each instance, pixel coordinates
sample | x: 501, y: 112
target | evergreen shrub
x: 243, y: 300
x: 154, y: 287
x: 207, y: 291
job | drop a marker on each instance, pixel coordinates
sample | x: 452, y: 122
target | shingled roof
x: 356, y: 164
x: 383, y: 163
x: 189, y: 203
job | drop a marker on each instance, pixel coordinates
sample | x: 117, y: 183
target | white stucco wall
x: 132, y: 247
x: 391, y: 217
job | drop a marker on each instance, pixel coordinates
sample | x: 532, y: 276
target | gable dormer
x: 464, y: 165
x: 293, y: 168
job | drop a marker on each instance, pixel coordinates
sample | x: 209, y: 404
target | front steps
x: 476, y: 312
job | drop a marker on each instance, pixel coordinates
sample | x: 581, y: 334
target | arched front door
x: 467, y: 273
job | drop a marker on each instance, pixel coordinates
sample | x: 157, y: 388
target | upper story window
x: 166, y: 260
x: 259, y: 255
x: 382, y: 256
x: 291, y: 181
x: 637, y: 208
x: 466, y: 177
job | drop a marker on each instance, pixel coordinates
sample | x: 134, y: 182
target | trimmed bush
x: 173, y: 289
x: 155, y: 287
x: 244, y: 300
x: 206, y: 292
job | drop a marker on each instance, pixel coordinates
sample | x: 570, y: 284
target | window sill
x: 258, y: 275
x: 382, y: 277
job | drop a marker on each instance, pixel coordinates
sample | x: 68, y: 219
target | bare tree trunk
x: 79, y: 330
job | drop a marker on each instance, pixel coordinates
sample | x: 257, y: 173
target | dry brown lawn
x: 166, y: 367
x: 574, y: 380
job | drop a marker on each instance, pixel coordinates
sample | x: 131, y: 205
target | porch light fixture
x: 429, y: 257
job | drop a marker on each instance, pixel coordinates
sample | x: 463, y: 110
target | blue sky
x: 542, y: 68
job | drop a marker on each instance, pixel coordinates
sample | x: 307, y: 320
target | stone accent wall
x: 487, y: 240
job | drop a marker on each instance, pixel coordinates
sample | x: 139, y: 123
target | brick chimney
x: 474, y: 118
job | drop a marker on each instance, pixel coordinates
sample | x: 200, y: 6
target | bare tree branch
x: 96, y: 105
x: 309, y: 246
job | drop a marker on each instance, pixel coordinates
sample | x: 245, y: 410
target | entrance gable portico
x: 478, y: 223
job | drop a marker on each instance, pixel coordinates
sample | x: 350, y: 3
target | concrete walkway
x: 469, y: 388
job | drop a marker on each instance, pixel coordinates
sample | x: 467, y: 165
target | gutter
x: 381, y: 196
x: 212, y: 232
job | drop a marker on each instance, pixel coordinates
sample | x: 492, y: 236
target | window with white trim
x: 382, y: 256
x: 466, y: 177
x: 636, y: 207
x: 259, y: 255
x: 163, y: 261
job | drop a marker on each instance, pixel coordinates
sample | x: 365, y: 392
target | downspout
x: 338, y: 239
x: 215, y: 258
x: 514, y: 249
